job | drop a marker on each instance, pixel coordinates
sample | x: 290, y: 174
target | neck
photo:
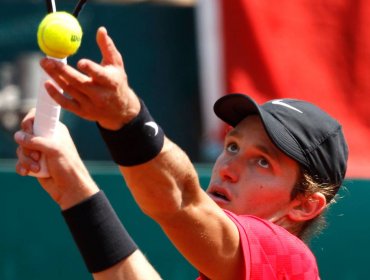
x: 291, y: 226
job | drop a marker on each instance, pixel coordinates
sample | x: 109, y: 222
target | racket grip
x: 46, y: 119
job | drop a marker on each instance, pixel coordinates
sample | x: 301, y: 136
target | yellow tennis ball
x: 59, y: 35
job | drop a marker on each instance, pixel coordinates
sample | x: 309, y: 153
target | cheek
x: 220, y: 161
x: 274, y: 193
x: 215, y: 170
x: 262, y: 200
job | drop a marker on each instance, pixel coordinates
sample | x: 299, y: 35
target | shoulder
x: 273, y: 249
x: 263, y: 229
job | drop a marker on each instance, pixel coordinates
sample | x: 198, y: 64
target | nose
x: 229, y: 170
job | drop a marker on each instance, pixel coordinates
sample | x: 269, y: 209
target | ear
x: 306, y: 208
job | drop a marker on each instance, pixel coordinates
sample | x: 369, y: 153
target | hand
x: 98, y: 92
x: 69, y: 182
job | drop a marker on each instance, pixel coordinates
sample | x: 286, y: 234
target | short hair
x: 306, y: 185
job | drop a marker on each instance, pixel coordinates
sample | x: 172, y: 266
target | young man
x: 282, y: 164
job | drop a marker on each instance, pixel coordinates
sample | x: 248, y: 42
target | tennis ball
x: 59, y: 35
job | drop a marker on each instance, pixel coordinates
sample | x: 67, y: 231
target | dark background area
x: 159, y: 50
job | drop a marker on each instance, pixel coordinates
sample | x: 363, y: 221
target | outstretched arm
x: 135, y: 267
x: 72, y: 188
x: 166, y: 187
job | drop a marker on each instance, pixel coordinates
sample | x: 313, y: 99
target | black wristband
x: 99, y: 234
x: 137, y: 142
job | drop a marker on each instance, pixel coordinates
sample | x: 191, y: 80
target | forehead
x: 251, y: 132
x: 251, y: 125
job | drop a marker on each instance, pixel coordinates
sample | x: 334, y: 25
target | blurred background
x: 180, y: 57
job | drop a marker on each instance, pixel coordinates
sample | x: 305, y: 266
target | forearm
x: 106, y: 247
x: 79, y: 188
x: 158, y: 172
x: 164, y: 185
x: 135, y: 267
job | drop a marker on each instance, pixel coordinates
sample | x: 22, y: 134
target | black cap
x: 300, y: 129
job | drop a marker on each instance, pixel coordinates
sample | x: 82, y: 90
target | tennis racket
x: 47, y: 110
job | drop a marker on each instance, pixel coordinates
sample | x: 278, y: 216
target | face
x: 252, y: 176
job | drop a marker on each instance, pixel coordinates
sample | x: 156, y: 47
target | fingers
x: 27, y: 159
x: 21, y: 170
x: 68, y: 103
x: 97, y: 72
x: 33, y: 143
x: 35, y: 155
x: 102, y: 74
x: 27, y: 122
x: 25, y: 164
x: 28, y: 152
x: 75, y: 83
x: 108, y: 49
x: 78, y: 85
x: 61, y: 72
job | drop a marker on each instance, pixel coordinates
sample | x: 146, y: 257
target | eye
x: 232, y: 147
x: 263, y: 163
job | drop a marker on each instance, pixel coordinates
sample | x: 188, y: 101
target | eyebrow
x: 233, y: 132
x: 272, y: 150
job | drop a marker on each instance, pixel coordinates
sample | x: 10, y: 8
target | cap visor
x: 233, y: 108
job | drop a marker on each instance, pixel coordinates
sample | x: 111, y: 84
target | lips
x: 219, y: 194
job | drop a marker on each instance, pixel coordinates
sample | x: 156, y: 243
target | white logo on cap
x: 154, y: 126
x: 281, y: 103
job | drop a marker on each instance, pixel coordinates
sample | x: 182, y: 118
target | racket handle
x: 46, y: 119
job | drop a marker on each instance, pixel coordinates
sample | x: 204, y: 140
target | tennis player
x: 282, y: 165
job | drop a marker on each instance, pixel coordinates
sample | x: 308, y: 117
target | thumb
x: 27, y: 122
x: 107, y: 48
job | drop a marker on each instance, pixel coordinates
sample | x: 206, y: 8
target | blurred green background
x: 159, y: 49
x: 36, y: 244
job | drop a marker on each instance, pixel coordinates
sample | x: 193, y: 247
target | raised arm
x: 167, y: 186
x: 168, y: 190
x: 87, y: 211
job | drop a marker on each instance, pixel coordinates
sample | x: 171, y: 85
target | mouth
x: 219, y: 195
